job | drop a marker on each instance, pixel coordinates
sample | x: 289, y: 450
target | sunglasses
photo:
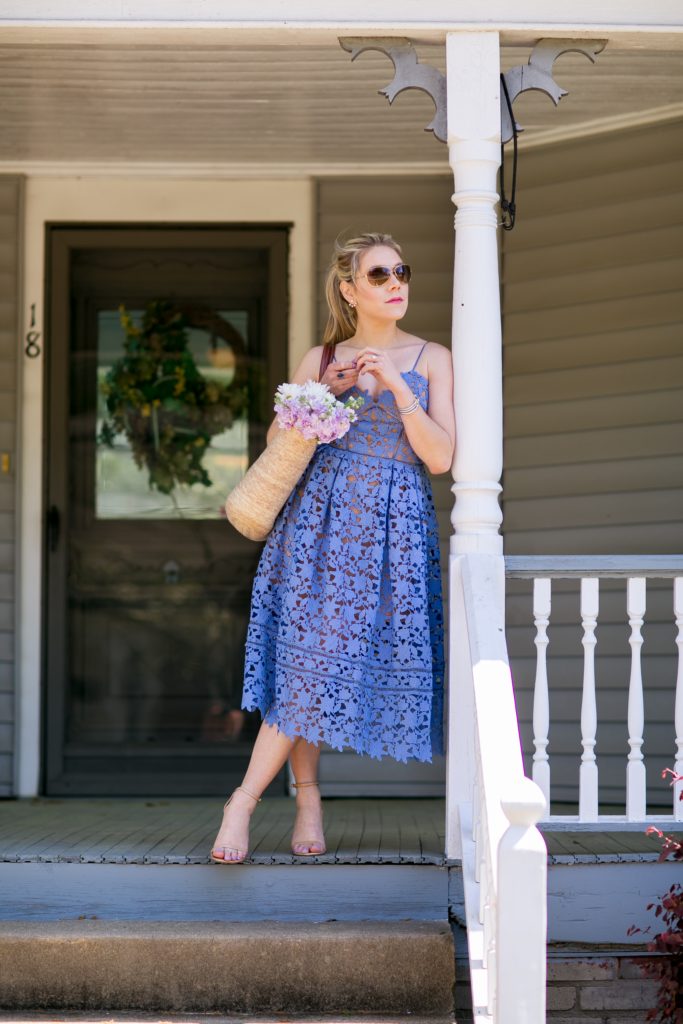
x: 380, y: 275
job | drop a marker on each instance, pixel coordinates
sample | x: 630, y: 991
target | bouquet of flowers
x: 307, y: 414
x: 312, y: 409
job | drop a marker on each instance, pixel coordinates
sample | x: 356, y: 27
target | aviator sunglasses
x: 380, y: 275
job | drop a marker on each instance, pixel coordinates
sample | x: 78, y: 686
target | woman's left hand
x: 376, y: 362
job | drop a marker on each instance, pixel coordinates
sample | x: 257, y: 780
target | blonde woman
x: 345, y: 640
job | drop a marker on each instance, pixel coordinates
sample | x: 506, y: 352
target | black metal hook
x: 508, y: 206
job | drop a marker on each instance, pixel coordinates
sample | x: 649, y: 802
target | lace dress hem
x: 321, y: 732
x: 318, y: 698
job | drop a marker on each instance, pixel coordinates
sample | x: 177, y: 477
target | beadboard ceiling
x: 289, y: 107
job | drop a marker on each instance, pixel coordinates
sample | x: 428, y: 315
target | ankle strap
x: 300, y: 785
x: 252, y: 795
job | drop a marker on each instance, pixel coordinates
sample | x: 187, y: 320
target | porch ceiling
x: 279, y: 109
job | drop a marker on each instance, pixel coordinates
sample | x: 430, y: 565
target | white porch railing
x: 636, y: 570
x: 492, y: 808
x: 504, y: 857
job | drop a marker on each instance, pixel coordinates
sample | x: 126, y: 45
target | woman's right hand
x: 339, y: 377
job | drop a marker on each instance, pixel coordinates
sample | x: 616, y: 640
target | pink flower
x: 312, y: 409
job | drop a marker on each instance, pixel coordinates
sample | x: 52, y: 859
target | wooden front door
x: 147, y: 584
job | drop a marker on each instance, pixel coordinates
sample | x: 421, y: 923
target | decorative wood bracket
x: 410, y: 74
x: 537, y: 74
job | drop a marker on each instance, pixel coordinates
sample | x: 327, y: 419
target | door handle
x: 53, y: 527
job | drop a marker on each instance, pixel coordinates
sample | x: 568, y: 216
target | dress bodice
x: 378, y: 429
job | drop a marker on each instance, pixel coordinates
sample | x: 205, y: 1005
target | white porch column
x: 473, y: 84
x: 473, y: 89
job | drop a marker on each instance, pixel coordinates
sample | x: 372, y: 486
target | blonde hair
x: 341, y: 320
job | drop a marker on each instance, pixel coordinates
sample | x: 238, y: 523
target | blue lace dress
x: 345, y: 637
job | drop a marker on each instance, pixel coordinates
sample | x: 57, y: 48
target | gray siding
x: 11, y: 196
x: 593, y: 386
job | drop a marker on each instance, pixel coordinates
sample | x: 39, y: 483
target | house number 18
x: 32, y: 349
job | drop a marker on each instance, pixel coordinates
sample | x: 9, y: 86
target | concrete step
x: 228, y: 967
x: 145, y: 1017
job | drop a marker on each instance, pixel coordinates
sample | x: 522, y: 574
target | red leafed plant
x: 667, y: 969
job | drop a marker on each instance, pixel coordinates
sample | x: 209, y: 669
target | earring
x: 352, y: 304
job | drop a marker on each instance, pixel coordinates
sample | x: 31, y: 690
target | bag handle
x: 325, y: 358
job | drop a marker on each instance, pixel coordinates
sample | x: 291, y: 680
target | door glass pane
x: 166, y: 426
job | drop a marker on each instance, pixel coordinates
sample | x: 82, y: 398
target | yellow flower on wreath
x: 180, y: 383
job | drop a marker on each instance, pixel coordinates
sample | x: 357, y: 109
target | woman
x: 345, y: 641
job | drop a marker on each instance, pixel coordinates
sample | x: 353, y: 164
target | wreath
x: 156, y: 395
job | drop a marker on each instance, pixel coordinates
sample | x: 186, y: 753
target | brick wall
x: 599, y: 989
x: 583, y: 989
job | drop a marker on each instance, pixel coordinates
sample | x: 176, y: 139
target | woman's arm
x: 432, y: 433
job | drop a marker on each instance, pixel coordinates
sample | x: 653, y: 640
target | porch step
x: 211, y: 892
x: 331, y: 967
x: 148, y: 860
x: 601, y: 880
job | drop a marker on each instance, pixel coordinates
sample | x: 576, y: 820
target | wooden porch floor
x: 181, y: 831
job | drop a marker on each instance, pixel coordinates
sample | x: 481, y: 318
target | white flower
x: 312, y: 409
x: 314, y: 389
x: 287, y: 392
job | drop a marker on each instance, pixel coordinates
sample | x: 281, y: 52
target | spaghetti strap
x: 418, y: 357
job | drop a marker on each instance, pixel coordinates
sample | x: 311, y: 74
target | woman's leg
x: 307, y: 837
x: 271, y: 749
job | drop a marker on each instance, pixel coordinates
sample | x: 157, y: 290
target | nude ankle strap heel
x: 242, y: 853
x: 308, y: 842
x: 244, y: 790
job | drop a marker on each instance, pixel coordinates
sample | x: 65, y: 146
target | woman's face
x: 388, y: 301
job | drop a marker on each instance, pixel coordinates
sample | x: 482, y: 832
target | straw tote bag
x: 254, y: 504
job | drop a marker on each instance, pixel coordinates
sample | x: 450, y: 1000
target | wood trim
x: 225, y: 171
x: 607, y: 566
x: 522, y: 24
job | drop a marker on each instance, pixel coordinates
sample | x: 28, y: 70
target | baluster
x: 588, y: 775
x: 541, y: 717
x: 635, y: 770
x: 678, y: 766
